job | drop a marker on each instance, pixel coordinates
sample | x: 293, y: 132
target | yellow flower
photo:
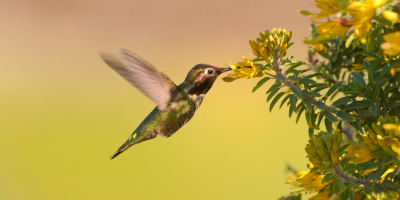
x: 245, y: 69
x: 319, y: 47
x: 363, y: 155
x: 390, y: 15
x: 307, y: 181
x: 392, y: 45
x: 363, y: 11
x: 391, y: 169
x: 322, y: 196
x: 329, y: 29
x: 328, y: 7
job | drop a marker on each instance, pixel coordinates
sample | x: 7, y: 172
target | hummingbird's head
x: 201, y: 78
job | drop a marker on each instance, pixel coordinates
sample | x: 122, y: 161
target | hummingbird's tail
x: 134, y: 139
x: 115, y: 154
x: 123, y: 148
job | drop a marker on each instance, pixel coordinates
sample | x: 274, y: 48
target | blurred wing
x: 141, y: 74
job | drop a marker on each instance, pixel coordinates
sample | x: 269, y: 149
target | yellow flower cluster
x: 363, y: 13
x: 330, y: 29
x: 356, y: 14
x: 270, y: 42
x: 245, y: 69
x: 271, y: 46
x: 328, y: 7
x: 323, y: 149
x: 307, y: 181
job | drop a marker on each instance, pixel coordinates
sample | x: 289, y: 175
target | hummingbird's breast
x: 179, y: 113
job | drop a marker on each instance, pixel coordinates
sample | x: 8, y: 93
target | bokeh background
x: 63, y: 112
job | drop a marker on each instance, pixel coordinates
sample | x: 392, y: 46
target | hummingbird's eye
x: 209, y: 71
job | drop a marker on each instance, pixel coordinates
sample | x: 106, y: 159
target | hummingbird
x: 176, y: 104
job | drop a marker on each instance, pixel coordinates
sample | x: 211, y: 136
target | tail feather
x: 115, y: 154
x: 124, y: 147
x: 131, y: 141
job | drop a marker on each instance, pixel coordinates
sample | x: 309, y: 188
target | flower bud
x: 378, y: 130
x: 335, y: 159
x: 390, y: 16
x: 283, y: 50
x: 254, y: 48
x: 367, y: 139
x: 372, y: 136
x: 382, y: 143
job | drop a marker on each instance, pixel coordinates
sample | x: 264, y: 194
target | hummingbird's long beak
x: 226, y: 69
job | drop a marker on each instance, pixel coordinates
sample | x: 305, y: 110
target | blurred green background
x: 64, y: 111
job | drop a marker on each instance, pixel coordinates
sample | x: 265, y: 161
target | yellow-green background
x: 63, y: 112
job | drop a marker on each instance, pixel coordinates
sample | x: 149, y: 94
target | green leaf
x: 312, y: 75
x: 311, y: 133
x: 330, y: 116
x: 341, y: 101
x: 290, y: 112
x: 320, y: 88
x: 328, y: 125
x: 291, y: 71
x: 302, y: 108
x: 359, y: 78
x: 380, y: 188
x: 351, y: 194
x: 307, y: 104
x: 333, y: 88
x: 343, y: 147
x: 392, y: 104
x: 260, y: 83
x: 272, y: 94
x: 274, y: 86
x: 377, y: 151
x: 311, y: 94
x: 293, y: 102
x: 275, y: 100
x: 284, y: 100
x: 386, y: 69
x: 372, y: 176
x: 357, y: 126
x: 326, y: 177
x: 345, y: 116
x: 308, y: 119
x: 368, y: 190
x: 370, y: 75
x: 345, y: 161
x: 320, y: 105
x: 303, y: 81
x: 341, y: 184
x: 391, y: 185
x: 293, y: 78
x: 313, y: 119
x: 354, y: 105
x: 320, y: 117
x: 295, y: 91
x: 371, y: 165
x: 258, y: 59
x: 306, y: 13
x: 351, y: 168
x: 373, y: 110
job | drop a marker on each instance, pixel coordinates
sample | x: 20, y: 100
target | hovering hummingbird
x: 176, y: 105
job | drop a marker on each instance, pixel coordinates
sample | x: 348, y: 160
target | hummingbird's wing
x: 145, y: 77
